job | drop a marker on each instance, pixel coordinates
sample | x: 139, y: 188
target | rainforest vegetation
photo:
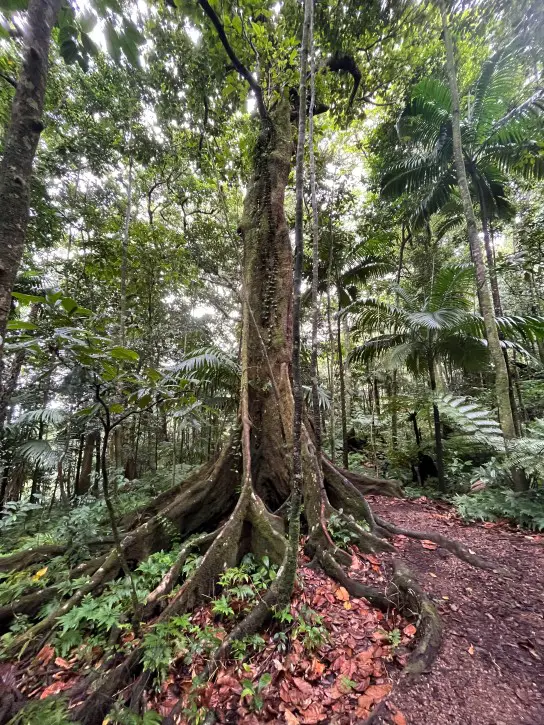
x: 271, y: 356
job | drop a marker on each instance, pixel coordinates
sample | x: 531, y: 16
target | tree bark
x: 20, y: 145
x: 83, y: 481
x: 437, y: 430
x: 343, y: 416
x: 315, y: 262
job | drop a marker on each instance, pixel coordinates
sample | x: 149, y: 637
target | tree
x: 502, y: 384
x: 259, y: 453
x: 429, y: 327
x: 20, y: 146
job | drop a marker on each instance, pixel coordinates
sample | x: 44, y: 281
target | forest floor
x: 337, y: 659
x: 490, y: 669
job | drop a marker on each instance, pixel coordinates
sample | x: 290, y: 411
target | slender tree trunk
x: 347, y: 367
x: 345, y: 450
x: 501, y: 373
x: 490, y: 257
x: 20, y: 145
x: 495, y: 294
x: 315, y: 261
x: 437, y: 429
x: 12, y: 378
x: 124, y: 251
x: 298, y: 402
x: 331, y: 342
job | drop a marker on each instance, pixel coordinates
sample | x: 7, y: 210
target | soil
x: 490, y: 669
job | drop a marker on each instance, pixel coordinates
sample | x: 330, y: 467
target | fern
x: 471, y: 419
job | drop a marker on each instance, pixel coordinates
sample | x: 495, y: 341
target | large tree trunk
x: 20, y: 148
x: 268, y: 281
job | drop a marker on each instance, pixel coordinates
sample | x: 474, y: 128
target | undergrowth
x: 524, y: 509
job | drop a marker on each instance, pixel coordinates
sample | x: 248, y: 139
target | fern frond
x: 471, y: 419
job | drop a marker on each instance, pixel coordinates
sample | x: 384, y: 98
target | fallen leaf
x: 434, y: 576
x: 316, y: 669
x: 55, y: 688
x: 38, y: 575
x: 303, y: 686
x: 313, y: 714
x: 470, y: 650
x: 347, y: 605
x: 291, y: 719
x: 45, y: 655
x: 426, y: 544
x: 398, y: 718
x: 62, y: 664
x: 409, y: 630
x: 342, y: 594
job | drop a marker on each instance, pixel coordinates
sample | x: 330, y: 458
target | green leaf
x: 21, y: 325
x: 124, y: 353
x: 25, y: 299
x: 130, y: 49
x: 69, y: 304
x: 133, y: 34
x: 117, y: 408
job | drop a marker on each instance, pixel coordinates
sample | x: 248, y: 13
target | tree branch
x: 236, y: 62
x: 9, y: 79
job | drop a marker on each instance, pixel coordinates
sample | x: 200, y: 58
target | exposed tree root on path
x: 249, y: 526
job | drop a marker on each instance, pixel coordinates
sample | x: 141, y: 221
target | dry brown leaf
x: 55, y: 688
x: 398, y: 718
x: 409, y: 630
x: 316, y: 669
x: 291, y: 719
x: 471, y: 649
x: 342, y: 594
x: 62, y: 663
x: 303, y: 686
x: 426, y: 544
x: 45, y: 655
x: 313, y: 714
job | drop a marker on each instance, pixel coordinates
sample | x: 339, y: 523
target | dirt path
x: 490, y: 670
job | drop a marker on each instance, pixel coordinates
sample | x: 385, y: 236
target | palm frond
x: 452, y: 288
x: 323, y: 397
x: 39, y: 453
x: 46, y: 416
x: 376, y: 347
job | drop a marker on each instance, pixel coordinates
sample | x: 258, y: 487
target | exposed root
x: 367, y: 542
x: 411, y: 599
x: 455, y: 547
x: 23, y: 559
x: 169, y: 580
x: 331, y: 567
x: 31, y: 640
x: 345, y: 495
x: 371, y: 484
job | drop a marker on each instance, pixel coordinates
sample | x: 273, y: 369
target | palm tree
x: 426, y: 328
x: 501, y: 134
